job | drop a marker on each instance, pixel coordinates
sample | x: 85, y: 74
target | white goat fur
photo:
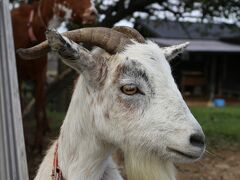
x: 97, y: 123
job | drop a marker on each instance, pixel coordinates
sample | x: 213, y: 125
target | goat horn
x: 108, y: 39
x: 130, y: 32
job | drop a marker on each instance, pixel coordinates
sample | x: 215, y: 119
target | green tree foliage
x: 13, y: 1
x: 112, y: 11
x: 18, y: 1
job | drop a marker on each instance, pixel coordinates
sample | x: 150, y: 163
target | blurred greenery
x: 56, y: 121
x: 221, y: 125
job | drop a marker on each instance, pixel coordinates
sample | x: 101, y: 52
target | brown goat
x: 29, y: 25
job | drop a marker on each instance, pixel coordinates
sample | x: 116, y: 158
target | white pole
x: 13, y: 164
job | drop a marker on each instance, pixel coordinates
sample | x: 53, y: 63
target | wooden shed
x: 210, y: 65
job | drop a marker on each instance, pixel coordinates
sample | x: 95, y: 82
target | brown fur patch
x: 100, y: 98
x: 125, y: 104
x: 93, y: 120
x: 118, y: 73
x: 87, y: 90
x: 92, y: 102
x: 101, y: 72
x: 106, y: 115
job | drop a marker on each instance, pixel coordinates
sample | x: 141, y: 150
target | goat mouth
x: 190, y: 156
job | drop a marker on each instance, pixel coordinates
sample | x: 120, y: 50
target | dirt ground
x: 220, y: 164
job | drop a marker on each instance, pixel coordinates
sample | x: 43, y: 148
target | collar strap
x: 56, y: 171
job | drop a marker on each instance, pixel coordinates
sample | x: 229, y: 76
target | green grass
x: 219, y: 124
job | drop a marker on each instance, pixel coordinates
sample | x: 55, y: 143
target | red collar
x: 56, y: 171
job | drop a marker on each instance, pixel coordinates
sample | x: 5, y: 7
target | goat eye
x: 129, y: 89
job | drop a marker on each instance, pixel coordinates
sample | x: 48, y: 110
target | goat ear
x: 172, y: 51
x: 70, y: 52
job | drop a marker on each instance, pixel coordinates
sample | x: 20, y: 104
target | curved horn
x: 130, y: 32
x: 105, y: 38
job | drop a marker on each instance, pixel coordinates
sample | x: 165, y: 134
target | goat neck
x: 81, y: 154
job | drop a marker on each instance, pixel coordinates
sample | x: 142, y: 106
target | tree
x: 18, y: 1
x: 112, y: 11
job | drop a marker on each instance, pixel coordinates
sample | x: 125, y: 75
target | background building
x: 210, y: 66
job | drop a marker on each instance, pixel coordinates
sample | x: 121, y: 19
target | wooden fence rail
x: 13, y: 165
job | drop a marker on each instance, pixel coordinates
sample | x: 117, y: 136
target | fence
x: 13, y: 165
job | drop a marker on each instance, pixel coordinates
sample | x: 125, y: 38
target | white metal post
x: 13, y: 164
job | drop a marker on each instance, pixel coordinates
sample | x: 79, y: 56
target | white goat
x: 125, y: 98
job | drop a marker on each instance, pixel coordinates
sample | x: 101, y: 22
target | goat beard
x: 141, y: 166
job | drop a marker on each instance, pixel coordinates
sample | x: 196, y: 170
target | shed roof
x: 189, y: 30
x: 200, y: 45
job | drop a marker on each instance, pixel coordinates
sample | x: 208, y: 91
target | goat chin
x: 148, y: 167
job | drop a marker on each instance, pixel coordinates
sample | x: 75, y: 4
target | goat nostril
x: 197, y: 140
